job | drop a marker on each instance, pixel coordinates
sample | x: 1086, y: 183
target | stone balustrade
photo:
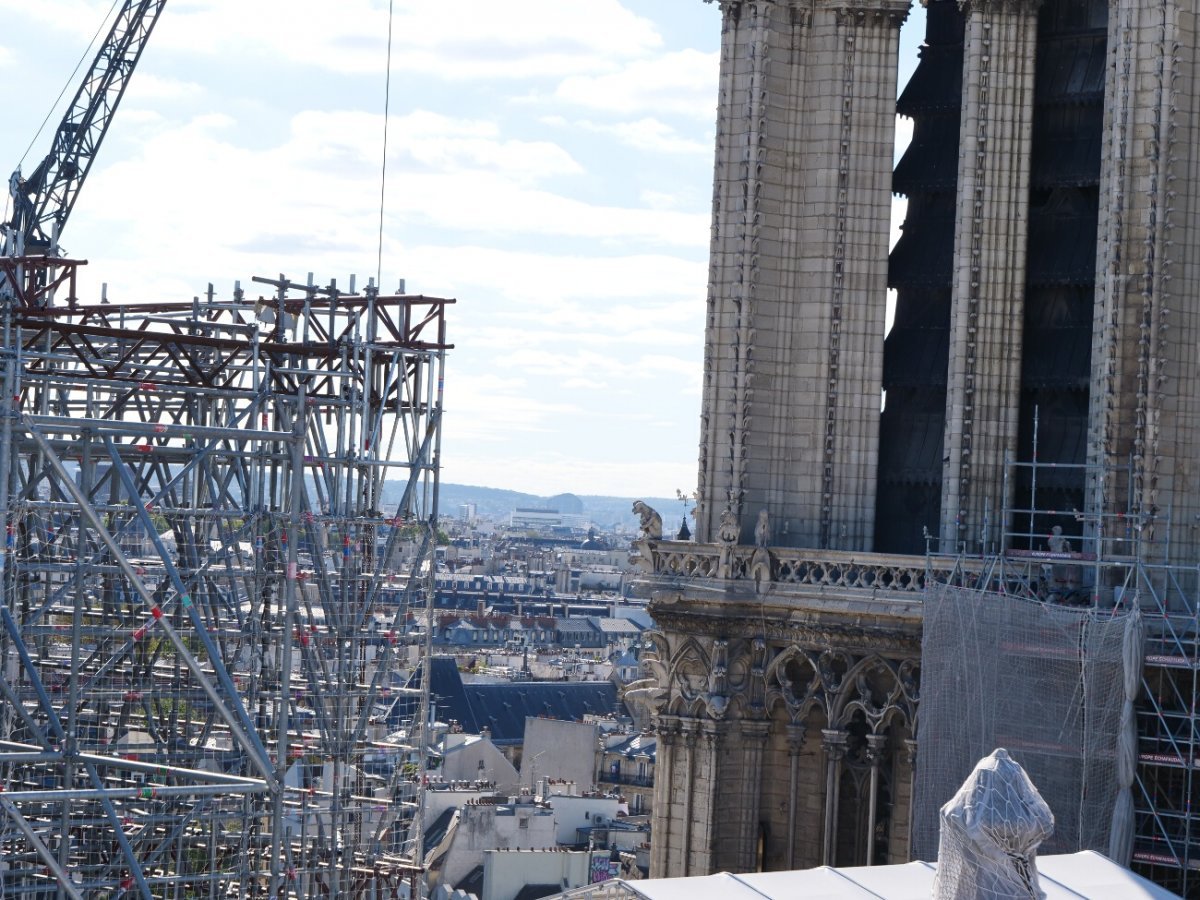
x: 839, y: 569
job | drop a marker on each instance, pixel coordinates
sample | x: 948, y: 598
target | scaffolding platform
x: 203, y: 622
x: 1110, y: 562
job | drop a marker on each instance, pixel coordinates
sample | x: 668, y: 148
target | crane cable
x: 53, y: 106
x: 387, y: 97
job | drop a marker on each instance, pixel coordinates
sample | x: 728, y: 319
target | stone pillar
x: 667, y: 729
x: 798, y: 269
x: 901, y: 848
x: 987, y: 301
x: 876, y: 745
x: 754, y: 739
x: 795, y: 736
x: 705, y: 785
x: 688, y: 729
x: 1144, y: 402
x: 833, y: 742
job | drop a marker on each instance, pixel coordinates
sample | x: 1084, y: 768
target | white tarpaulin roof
x: 1068, y: 877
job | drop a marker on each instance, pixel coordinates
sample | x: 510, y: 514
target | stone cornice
x: 1029, y: 7
x: 844, y: 635
x: 801, y: 604
x: 896, y: 9
x: 893, y: 11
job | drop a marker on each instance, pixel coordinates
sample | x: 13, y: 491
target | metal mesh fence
x: 1044, y: 682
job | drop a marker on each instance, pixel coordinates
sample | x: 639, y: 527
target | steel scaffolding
x: 1113, y: 560
x: 203, y: 623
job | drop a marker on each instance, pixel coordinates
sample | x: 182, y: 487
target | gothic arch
x: 691, y: 708
x: 689, y: 673
x: 909, y: 675
x: 871, y: 687
x: 793, y: 679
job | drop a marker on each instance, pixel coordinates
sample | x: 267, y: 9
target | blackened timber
x: 920, y: 269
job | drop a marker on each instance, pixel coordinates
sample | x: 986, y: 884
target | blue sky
x: 550, y: 166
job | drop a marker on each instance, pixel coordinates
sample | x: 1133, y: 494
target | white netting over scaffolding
x: 1046, y: 682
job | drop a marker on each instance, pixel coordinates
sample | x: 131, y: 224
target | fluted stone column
x: 1144, y: 403
x: 689, y: 730
x: 667, y: 730
x: 905, y: 789
x: 876, y: 746
x: 706, y: 784
x: 833, y: 742
x: 795, y: 737
x: 798, y: 269
x: 754, y: 739
x: 991, y: 225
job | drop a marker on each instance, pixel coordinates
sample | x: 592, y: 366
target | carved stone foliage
x: 745, y: 678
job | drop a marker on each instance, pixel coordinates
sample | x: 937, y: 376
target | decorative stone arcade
x: 775, y: 714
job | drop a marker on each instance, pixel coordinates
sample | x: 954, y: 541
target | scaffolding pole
x: 204, y: 628
x: 1121, y: 557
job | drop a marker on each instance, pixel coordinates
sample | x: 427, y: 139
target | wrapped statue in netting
x: 990, y: 831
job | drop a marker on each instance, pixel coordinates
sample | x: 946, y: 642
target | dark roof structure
x: 614, y: 625
x: 638, y: 745
x: 503, y: 708
x: 472, y: 882
x: 438, y: 828
x: 537, y: 891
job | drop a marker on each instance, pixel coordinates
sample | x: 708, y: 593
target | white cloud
x: 484, y: 39
x: 451, y: 145
x: 660, y: 199
x: 81, y: 17
x: 650, y: 136
x: 467, y: 39
x: 148, y: 87
x: 491, y: 408
x: 571, y: 284
x: 437, y: 144
x: 584, y: 384
x: 322, y: 182
x: 579, y: 328
x: 682, y: 83
x: 133, y: 118
x: 7, y: 57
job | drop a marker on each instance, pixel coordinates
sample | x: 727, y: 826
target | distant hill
x: 496, y: 503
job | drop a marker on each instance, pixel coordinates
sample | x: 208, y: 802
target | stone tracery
x: 842, y: 720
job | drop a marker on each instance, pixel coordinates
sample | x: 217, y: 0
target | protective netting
x: 1045, y: 682
x: 990, y: 832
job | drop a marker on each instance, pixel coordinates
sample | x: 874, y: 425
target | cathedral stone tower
x: 798, y: 274
x: 1048, y: 309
